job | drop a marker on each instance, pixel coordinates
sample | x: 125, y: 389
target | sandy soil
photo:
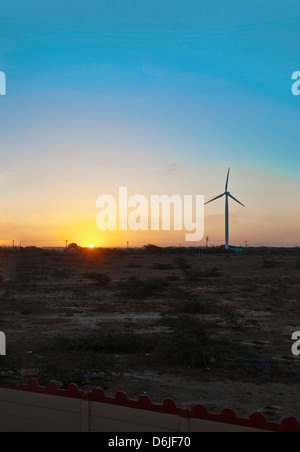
x: 46, y: 295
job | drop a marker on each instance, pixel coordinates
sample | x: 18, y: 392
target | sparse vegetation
x: 182, y: 263
x: 198, y: 275
x: 108, y: 342
x: 233, y: 319
x: 213, y: 272
x: 191, y: 303
x: 271, y: 263
x: 136, y: 287
x: 163, y: 311
x: 193, y: 275
x: 62, y: 273
x: 189, y: 343
x: 74, y: 367
x: 101, y: 279
x: 162, y: 266
x: 11, y: 363
x: 134, y: 265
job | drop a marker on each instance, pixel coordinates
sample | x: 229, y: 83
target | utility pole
x: 246, y: 243
x: 207, y: 238
x: 67, y: 241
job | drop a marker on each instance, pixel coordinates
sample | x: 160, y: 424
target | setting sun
x: 91, y: 245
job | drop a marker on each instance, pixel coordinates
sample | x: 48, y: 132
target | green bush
x: 187, y: 343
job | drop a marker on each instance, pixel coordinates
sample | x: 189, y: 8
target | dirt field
x: 199, y: 328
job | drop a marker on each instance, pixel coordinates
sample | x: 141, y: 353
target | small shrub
x: 187, y: 343
x: 233, y: 319
x: 271, y: 263
x: 134, y: 265
x: 197, y: 275
x: 152, y: 249
x: 161, y: 266
x: 187, y: 302
x: 109, y: 342
x: 100, y: 279
x: 182, y: 263
x: 12, y: 362
x: 213, y: 272
x: 67, y: 368
x: 62, y: 273
x: 172, y: 278
x: 137, y: 288
x: 250, y: 285
x: 192, y: 306
x: 193, y: 275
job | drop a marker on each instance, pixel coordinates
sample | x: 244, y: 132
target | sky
x: 158, y: 96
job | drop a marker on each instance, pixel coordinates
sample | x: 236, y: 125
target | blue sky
x: 205, y: 84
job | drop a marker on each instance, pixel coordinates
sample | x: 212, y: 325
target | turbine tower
x: 227, y: 195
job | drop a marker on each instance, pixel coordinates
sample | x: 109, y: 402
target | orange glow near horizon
x: 254, y: 224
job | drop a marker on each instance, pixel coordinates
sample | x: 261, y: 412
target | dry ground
x: 249, y: 303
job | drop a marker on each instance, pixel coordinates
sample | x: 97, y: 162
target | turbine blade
x: 226, y: 187
x: 236, y: 200
x: 221, y: 196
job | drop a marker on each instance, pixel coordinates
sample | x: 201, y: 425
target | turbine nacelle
x: 226, y: 193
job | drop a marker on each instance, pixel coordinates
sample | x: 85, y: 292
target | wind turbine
x: 227, y: 195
